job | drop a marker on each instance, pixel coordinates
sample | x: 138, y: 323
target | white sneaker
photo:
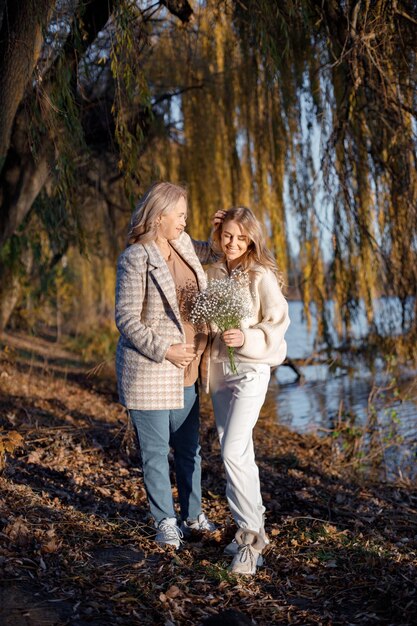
x: 168, y: 532
x: 250, y: 545
x: 197, y: 525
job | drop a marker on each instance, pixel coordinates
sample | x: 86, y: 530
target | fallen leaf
x: 173, y: 592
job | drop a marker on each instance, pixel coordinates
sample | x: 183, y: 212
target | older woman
x: 158, y: 355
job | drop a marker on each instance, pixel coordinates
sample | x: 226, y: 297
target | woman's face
x: 234, y: 242
x: 172, y: 224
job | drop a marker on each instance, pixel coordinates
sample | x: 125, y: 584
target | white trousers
x: 237, y: 400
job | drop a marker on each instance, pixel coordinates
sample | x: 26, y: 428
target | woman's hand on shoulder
x: 233, y: 338
x: 181, y: 354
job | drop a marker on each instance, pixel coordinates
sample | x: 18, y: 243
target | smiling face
x: 172, y: 224
x: 234, y: 242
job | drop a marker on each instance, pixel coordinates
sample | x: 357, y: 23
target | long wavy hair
x: 158, y: 200
x: 257, y: 252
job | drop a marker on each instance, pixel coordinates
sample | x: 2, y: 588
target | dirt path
x: 76, y: 544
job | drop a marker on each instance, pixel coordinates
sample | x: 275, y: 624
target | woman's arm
x: 265, y: 340
x: 204, y: 249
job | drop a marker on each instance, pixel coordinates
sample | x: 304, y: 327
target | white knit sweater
x: 264, y: 331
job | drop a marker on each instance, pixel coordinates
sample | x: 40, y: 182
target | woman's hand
x: 233, y: 338
x: 181, y: 354
x: 218, y: 219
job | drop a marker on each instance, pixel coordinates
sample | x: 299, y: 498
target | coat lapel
x: 162, y: 276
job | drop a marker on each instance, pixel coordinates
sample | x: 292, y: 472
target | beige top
x: 187, y: 286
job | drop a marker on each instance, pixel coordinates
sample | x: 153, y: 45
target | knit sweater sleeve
x: 264, y: 341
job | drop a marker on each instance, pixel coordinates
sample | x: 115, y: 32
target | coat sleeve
x: 204, y: 251
x: 265, y: 340
x: 130, y: 295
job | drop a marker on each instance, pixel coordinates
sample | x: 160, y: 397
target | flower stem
x: 232, y: 361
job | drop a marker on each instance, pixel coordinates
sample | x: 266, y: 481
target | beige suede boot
x: 250, y: 546
x: 232, y: 548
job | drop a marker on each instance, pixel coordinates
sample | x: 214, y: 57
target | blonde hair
x: 257, y: 252
x: 158, y: 200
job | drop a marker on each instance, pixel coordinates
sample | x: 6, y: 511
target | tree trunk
x: 10, y: 293
x: 22, y: 178
x: 11, y: 285
x: 21, y: 37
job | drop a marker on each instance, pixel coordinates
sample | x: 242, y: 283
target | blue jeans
x: 156, y: 432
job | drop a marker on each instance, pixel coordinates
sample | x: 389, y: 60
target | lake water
x: 331, y: 394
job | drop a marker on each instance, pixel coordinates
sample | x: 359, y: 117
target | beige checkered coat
x: 149, y: 321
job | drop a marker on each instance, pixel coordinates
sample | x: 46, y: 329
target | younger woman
x: 238, y: 398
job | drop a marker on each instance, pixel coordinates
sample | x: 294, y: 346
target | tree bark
x: 22, y: 178
x: 23, y: 175
x: 11, y: 284
x: 10, y: 294
x: 21, y: 39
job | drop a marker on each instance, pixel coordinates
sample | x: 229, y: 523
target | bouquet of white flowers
x: 225, y: 302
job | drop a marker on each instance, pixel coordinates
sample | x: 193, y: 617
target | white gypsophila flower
x: 225, y: 303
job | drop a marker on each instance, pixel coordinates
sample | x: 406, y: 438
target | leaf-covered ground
x: 76, y: 542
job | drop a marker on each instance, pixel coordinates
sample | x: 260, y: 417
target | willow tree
x: 304, y: 110
x: 356, y: 61
x: 231, y: 144
x: 307, y: 109
x: 66, y: 116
